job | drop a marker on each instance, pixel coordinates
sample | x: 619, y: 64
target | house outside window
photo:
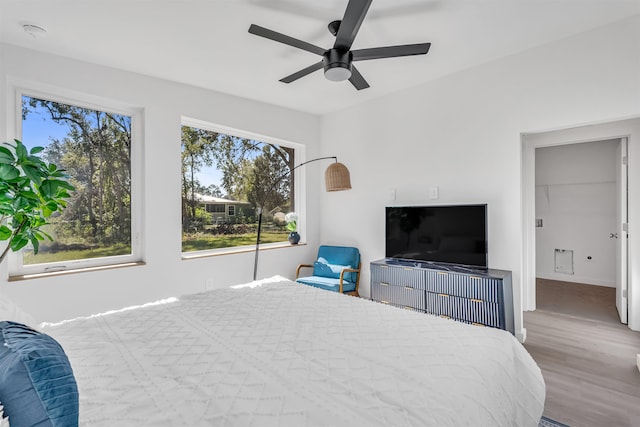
x: 97, y: 146
x: 215, y: 208
x: 226, y: 177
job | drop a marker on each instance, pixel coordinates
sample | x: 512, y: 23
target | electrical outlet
x: 208, y: 284
x: 434, y: 193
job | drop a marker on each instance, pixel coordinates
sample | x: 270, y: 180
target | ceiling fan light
x: 337, y: 74
x: 337, y: 65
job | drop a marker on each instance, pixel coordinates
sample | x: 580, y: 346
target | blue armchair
x: 337, y: 269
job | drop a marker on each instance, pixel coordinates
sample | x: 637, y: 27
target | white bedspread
x: 283, y: 354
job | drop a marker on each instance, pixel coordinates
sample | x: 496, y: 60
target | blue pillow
x: 37, y: 386
x: 323, y: 268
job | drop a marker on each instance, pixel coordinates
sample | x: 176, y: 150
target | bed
x: 277, y: 353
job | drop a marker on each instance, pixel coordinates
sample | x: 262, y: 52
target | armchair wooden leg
x: 301, y: 266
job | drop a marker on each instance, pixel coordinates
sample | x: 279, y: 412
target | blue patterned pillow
x: 37, y: 386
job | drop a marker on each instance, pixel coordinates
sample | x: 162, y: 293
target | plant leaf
x: 36, y: 150
x: 48, y: 188
x: 36, y: 161
x: 35, y: 243
x: 8, y: 172
x: 18, y: 242
x: 20, y: 203
x: 5, y: 232
x: 21, y: 151
x: 46, y: 235
x: 5, y: 151
x: 30, y: 195
x: 33, y: 173
x: 66, y: 185
x: 6, y: 158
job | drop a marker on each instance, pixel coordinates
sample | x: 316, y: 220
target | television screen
x: 450, y: 234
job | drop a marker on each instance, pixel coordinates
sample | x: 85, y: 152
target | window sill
x: 238, y: 250
x: 73, y: 271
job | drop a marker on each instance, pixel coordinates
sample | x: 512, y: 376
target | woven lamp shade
x: 337, y: 177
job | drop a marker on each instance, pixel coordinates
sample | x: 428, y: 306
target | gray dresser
x: 479, y: 297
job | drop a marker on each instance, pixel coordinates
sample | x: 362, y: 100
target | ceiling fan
x: 337, y: 61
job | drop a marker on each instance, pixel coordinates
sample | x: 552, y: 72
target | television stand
x: 481, y: 297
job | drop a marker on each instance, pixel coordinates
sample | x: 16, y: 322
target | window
x: 215, y: 208
x: 247, y: 174
x: 95, y: 147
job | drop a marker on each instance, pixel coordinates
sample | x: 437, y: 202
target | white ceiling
x: 205, y: 42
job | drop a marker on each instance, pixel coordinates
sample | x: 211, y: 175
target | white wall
x: 462, y: 134
x: 164, y: 103
x: 576, y: 201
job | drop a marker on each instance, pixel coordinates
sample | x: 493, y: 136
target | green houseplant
x: 31, y: 190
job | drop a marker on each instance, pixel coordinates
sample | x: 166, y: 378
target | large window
x: 225, y: 180
x: 94, y: 146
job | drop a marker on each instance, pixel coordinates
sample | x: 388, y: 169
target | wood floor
x: 587, y: 357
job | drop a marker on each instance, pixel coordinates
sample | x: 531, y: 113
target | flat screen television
x: 448, y: 234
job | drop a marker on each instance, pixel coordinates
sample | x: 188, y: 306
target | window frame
x: 231, y: 210
x: 16, y: 266
x: 215, y: 208
x: 299, y: 177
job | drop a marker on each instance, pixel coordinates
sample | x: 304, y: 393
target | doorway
x: 629, y: 129
x: 578, y: 187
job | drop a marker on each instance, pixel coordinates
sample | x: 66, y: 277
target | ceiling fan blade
x: 281, y: 38
x: 295, y: 76
x: 353, y: 17
x: 357, y: 80
x: 390, y: 51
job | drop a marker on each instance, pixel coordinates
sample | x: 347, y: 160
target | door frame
x: 622, y: 251
x: 626, y: 128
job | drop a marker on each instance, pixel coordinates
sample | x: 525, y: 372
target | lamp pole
x: 267, y: 194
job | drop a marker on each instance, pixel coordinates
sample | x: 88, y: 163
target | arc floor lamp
x: 336, y: 177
